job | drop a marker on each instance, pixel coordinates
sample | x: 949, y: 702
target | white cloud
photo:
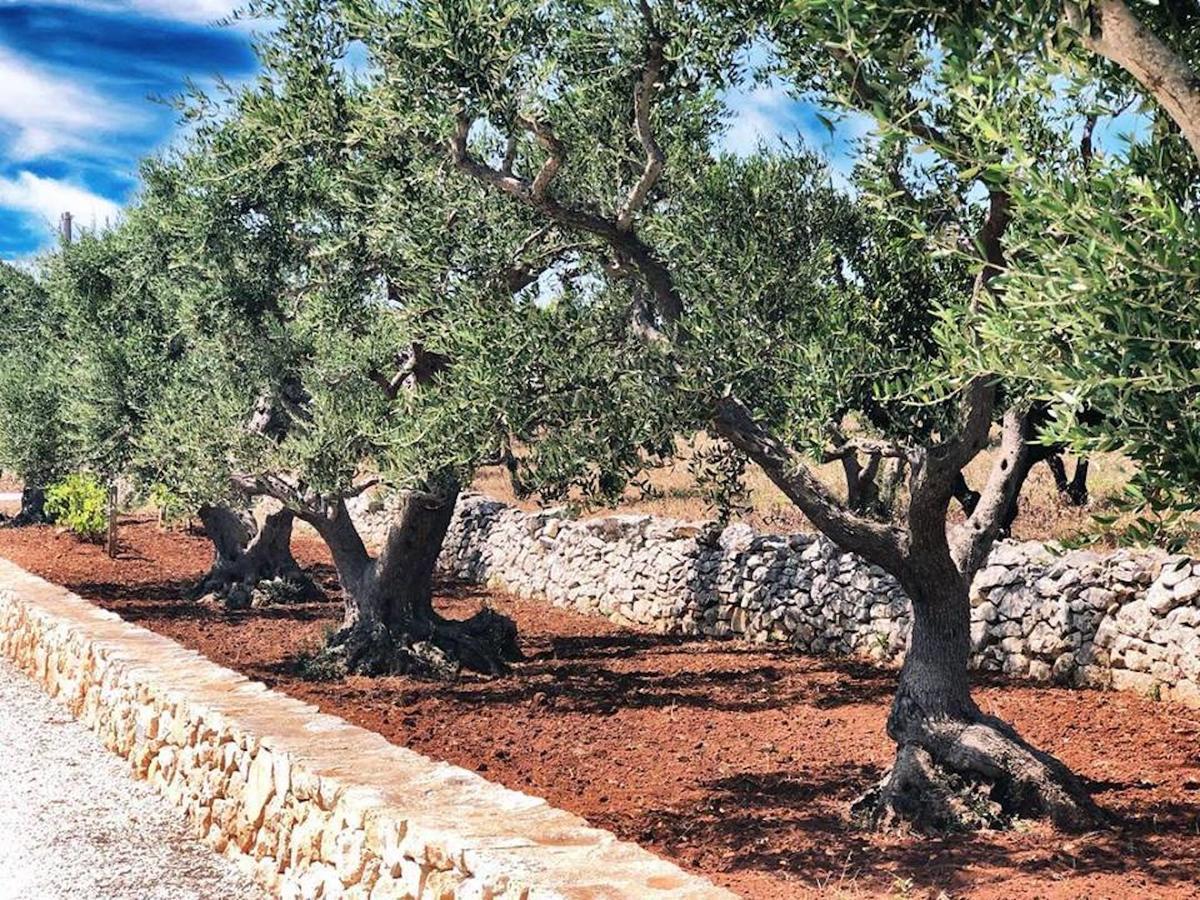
x: 199, y: 11
x: 44, y: 112
x: 46, y: 199
x: 760, y: 116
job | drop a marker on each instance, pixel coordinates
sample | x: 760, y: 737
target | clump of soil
x: 737, y: 761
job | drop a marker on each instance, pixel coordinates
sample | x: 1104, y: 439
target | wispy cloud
x: 42, y: 112
x: 48, y: 198
x: 770, y: 115
x: 79, y: 80
x: 199, y: 11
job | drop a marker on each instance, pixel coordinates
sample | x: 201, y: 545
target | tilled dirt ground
x: 735, y: 761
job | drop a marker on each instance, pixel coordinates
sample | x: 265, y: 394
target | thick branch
x: 304, y: 502
x: 991, y: 239
x: 274, y: 486
x: 1110, y: 29
x: 872, y: 448
x: 625, y: 244
x: 350, y: 557
x: 643, y: 98
x: 973, y: 540
x: 556, y: 155
x: 876, y: 542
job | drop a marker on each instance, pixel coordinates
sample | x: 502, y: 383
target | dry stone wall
x: 1130, y: 620
x: 315, y: 807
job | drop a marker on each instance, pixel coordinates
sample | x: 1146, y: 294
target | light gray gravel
x: 75, y: 824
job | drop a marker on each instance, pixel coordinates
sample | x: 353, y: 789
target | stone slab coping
x: 249, y: 764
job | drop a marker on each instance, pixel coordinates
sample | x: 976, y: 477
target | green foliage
x: 32, y: 431
x: 807, y: 303
x: 170, y: 505
x: 79, y: 502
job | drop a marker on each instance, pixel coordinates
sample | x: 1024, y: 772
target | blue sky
x: 79, y: 78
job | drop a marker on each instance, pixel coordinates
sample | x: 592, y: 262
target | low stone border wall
x: 315, y: 806
x: 1129, y: 620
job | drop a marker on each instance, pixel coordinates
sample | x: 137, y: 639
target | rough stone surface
x: 313, y: 806
x: 1127, y: 619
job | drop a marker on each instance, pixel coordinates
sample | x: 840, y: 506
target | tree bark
x: 1077, y: 491
x: 390, y: 625
x: 956, y: 768
x: 248, y: 554
x: 33, y: 508
x: 1110, y: 29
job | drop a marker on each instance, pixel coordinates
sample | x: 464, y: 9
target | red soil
x: 736, y: 761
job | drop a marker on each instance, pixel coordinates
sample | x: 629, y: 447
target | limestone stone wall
x: 1130, y: 620
x: 314, y: 806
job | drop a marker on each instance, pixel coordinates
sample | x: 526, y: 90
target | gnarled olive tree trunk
x: 390, y: 624
x: 33, y: 507
x: 248, y: 555
x: 956, y: 767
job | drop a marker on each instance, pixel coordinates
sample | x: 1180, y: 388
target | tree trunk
x: 1074, y: 491
x: 1077, y: 491
x: 249, y: 556
x: 110, y: 542
x: 390, y: 624
x: 33, y: 508
x: 955, y: 767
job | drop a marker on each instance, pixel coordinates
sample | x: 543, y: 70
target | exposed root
x: 256, y: 591
x: 969, y: 776
x: 438, y: 650
x: 32, y: 511
x: 486, y: 642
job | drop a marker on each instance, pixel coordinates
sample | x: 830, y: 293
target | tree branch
x: 973, y: 540
x: 556, y: 155
x: 643, y: 98
x: 1110, y: 29
x: 877, y: 542
x: 624, y: 244
x: 869, y: 97
x: 391, y: 386
x: 854, y: 446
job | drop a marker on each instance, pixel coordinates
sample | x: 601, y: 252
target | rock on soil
x: 74, y: 823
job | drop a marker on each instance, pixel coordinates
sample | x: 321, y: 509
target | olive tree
x: 334, y: 296
x: 32, y: 432
x: 583, y: 94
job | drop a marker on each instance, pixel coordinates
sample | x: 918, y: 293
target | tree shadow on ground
x: 798, y: 822
x: 171, y: 600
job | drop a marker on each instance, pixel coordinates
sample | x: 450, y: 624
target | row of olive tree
x: 441, y: 233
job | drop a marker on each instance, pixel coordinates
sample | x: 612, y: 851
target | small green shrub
x: 172, y: 508
x: 78, y: 502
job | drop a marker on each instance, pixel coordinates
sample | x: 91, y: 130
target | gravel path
x: 75, y: 824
